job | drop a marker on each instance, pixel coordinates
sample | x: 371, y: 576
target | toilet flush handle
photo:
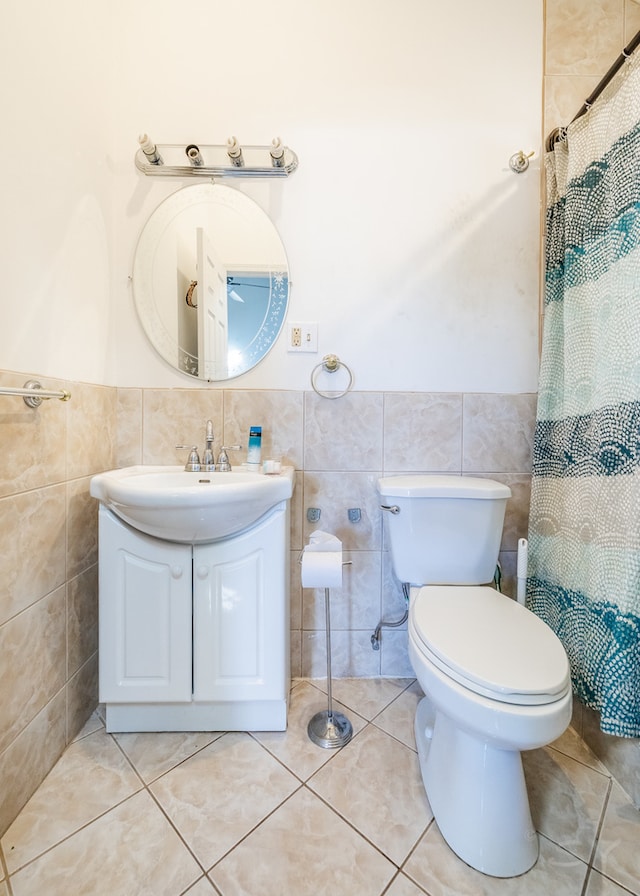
x: 392, y: 508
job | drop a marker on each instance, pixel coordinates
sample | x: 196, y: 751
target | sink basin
x: 169, y: 503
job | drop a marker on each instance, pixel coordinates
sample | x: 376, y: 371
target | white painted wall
x: 56, y: 209
x: 409, y: 240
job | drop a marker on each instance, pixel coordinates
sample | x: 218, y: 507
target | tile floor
x: 272, y: 814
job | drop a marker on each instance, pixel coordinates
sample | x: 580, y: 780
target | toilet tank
x: 443, y: 530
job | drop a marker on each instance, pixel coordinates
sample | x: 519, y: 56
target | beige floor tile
x: 130, y: 851
x: 571, y: 744
x: 567, y: 799
x: 281, y: 837
x: 217, y: 796
x: 203, y: 887
x: 392, y: 815
x: 91, y: 777
x: 440, y: 872
x: 618, y: 852
x: 304, y: 849
x: 402, y: 886
x: 93, y: 723
x: 602, y: 886
x: 366, y: 696
x: 152, y: 755
x: 293, y: 747
x: 398, y: 718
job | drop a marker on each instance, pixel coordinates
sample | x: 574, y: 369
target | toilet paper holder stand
x: 327, y: 728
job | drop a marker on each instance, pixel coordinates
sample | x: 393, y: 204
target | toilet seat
x: 489, y: 643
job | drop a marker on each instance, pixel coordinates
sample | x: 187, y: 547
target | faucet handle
x: 224, y: 464
x: 193, y: 464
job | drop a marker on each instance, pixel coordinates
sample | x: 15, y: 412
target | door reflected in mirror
x: 211, y: 281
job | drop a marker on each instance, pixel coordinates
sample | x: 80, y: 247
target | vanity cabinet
x: 194, y: 637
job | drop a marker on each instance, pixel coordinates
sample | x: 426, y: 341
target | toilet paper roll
x: 322, y: 569
x: 323, y: 541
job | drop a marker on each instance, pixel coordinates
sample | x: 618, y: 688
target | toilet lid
x: 490, y: 643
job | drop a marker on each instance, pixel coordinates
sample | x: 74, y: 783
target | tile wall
x: 48, y: 577
x: 582, y: 40
x: 339, y: 449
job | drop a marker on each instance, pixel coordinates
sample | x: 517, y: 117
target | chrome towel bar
x: 34, y: 394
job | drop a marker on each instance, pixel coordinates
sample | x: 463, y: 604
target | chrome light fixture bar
x: 229, y: 160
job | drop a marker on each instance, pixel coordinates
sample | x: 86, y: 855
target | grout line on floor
x: 594, y: 849
x: 364, y: 836
x: 5, y: 871
x: 413, y: 849
x: 254, y: 828
x: 605, y: 774
x: 82, y: 827
x: 182, y: 840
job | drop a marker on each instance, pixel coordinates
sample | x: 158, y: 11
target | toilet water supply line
x: 521, y: 573
x: 375, y: 637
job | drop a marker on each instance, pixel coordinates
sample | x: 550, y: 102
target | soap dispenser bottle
x: 255, y: 448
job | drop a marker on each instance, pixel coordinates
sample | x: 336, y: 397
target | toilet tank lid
x: 424, y: 485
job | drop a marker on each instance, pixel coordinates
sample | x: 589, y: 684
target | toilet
x: 495, y: 677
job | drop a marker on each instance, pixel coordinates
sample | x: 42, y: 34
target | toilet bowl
x: 484, y: 705
x: 495, y: 677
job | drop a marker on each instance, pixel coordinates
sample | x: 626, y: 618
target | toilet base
x: 478, y: 796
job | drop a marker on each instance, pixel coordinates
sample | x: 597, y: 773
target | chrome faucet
x: 208, y: 462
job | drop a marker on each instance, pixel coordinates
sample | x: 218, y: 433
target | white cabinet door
x: 241, y: 615
x: 145, y: 616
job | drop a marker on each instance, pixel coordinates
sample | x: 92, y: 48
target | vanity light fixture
x: 230, y: 160
x: 150, y: 150
x: 194, y: 155
x: 234, y: 151
x: 277, y: 152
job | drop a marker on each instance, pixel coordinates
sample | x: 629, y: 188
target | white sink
x: 169, y: 503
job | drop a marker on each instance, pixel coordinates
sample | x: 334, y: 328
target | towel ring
x: 330, y: 363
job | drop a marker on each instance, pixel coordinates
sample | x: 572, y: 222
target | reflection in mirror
x: 211, y: 281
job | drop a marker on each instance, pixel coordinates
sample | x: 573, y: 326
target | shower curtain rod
x: 558, y: 133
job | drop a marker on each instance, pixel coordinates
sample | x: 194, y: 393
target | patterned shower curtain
x: 584, y: 532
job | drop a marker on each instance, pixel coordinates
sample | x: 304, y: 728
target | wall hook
x: 519, y: 162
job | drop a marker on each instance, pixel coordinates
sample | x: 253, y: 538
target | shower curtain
x: 584, y: 531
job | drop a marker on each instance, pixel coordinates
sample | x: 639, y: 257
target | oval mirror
x: 210, y: 281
